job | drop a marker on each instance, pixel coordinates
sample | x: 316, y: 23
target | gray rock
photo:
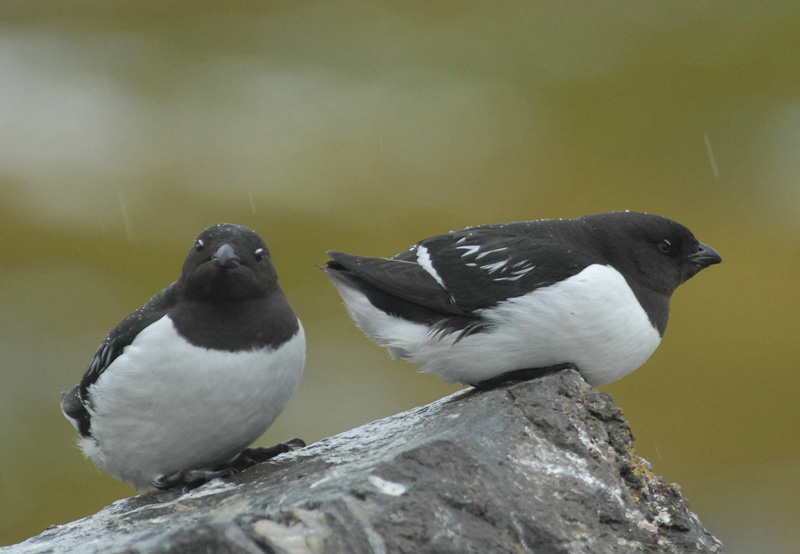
x: 546, y: 466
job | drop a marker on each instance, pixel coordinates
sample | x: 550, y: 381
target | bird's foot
x: 520, y: 375
x: 252, y: 456
x: 193, y: 478
x: 190, y: 478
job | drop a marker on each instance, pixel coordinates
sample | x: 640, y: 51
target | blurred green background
x: 128, y: 127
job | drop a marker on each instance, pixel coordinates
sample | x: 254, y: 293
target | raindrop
x: 711, y: 156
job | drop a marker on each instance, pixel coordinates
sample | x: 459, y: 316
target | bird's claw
x: 193, y: 478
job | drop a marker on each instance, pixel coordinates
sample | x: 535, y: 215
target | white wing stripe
x: 491, y: 268
x: 424, y: 260
x: 469, y: 249
x: 482, y: 254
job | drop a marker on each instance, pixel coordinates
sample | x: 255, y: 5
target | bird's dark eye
x: 665, y: 246
x: 198, y: 245
x: 259, y: 254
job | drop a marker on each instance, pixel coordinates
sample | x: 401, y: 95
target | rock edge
x: 542, y: 466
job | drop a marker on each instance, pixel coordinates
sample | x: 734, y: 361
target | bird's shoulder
x: 482, y: 266
x: 125, y: 333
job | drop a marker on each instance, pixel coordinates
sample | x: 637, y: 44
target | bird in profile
x: 512, y: 301
x: 177, y: 392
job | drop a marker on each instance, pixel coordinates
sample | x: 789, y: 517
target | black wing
x: 486, y: 265
x: 401, y: 279
x: 124, y: 333
x: 73, y: 402
x: 478, y: 267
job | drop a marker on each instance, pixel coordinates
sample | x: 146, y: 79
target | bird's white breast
x: 165, y: 405
x: 592, y: 320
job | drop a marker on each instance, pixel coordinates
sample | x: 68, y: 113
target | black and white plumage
x: 180, y: 388
x: 474, y: 305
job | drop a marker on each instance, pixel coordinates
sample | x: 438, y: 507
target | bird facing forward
x: 179, y: 389
x: 516, y: 300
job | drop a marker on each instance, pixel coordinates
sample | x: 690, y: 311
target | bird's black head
x: 228, y: 263
x: 655, y: 251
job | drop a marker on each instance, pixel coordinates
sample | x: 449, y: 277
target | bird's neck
x: 246, y: 325
x: 655, y: 304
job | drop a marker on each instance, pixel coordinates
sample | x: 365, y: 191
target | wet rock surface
x: 543, y: 466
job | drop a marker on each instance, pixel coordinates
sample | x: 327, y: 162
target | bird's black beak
x: 225, y: 256
x: 705, y: 257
